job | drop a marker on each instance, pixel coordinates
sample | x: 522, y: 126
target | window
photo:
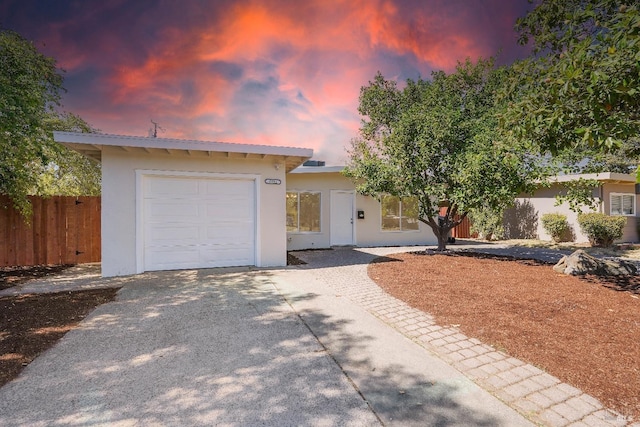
x: 303, y: 212
x: 622, y: 204
x: 399, y: 214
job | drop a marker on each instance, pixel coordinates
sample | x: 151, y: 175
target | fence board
x: 71, y: 232
x: 4, y: 235
x: 61, y: 231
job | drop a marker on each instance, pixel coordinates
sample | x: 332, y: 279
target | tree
x: 438, y: 140
x: 581, y: 86
x: 67, y: 172
x: 30, y: 161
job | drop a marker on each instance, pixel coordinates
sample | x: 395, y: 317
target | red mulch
x: 585, y: 331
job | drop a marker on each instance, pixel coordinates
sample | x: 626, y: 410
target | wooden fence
x: 62, y: 230
x: 462, y: 230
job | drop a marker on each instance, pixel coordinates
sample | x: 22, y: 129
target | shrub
x: 487, y: 223
x: 601, y: 229
x: 557, y: 226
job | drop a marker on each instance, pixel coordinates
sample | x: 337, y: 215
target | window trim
x: 400, y: 230
x: 621, y: 195
x: 297, y: 231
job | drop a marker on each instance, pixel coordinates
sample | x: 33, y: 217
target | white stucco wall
x: 368, y: 231
x: 119, y: 202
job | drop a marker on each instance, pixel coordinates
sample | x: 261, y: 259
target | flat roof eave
x: 91, y: 145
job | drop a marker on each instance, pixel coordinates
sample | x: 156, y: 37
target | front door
x: 341, y: 217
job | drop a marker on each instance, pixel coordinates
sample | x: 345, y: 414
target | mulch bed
x: 32, y: 323
x: 585, y: 331
x: 294, y: 260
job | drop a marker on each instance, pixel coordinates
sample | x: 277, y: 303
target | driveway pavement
x: 314, y: 345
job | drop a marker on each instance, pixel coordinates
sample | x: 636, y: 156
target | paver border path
x: 536, y: 394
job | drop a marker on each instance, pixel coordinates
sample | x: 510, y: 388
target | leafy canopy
x: 30, y: 161
x: 67, y: 172
x: 581, y: 86
x: 438, y: 140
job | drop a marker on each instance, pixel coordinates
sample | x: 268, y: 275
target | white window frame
x: 297, y: 231
x: 400, y: 230
x: 622, y: 196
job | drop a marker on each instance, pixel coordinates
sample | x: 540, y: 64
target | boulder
x: 580, y: 262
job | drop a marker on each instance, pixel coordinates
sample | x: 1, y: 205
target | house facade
x: 172, y: 204
x: 615, y: 195
x: 324, y: 210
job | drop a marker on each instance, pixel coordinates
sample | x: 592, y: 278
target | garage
x: 171, y: 204
x: 196, y: 222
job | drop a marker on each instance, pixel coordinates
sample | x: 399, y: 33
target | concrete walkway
x: 187, y: 348
x: 318, y: 344
x: 535, y: 394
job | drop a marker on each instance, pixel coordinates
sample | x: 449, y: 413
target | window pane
x: 292, y: 211
x: 627, y: 204
x: 310, y: 212
x: 616, y: 204
x: 390, y: 211
x: 410, y: 214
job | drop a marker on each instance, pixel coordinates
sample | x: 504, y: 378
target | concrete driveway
x: 242, y: 347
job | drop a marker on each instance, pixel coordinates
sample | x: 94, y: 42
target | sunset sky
x: 280, y: 72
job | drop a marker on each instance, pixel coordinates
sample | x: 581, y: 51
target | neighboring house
x: 616, y: 195
x: 172, y: 204
x: 324, y: 210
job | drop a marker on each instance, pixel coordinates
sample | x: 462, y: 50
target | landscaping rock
x: 580, y: 262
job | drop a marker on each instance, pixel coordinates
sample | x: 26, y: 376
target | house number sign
x: 273, y: 181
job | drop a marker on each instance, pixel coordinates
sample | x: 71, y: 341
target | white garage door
x: 198, y: 222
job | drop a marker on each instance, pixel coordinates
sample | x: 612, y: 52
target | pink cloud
x: 275, y: 72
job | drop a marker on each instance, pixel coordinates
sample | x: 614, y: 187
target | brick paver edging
x: 537, y: 395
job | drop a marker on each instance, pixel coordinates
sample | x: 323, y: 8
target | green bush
x: 487, y: 223
x: 601, y: 229
x: 557, y: 226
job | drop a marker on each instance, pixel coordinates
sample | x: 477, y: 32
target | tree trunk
x: 441, y: 230
x: 443, y: 225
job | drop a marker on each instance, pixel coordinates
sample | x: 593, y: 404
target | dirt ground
x: 585, y: 331
x: 32, y: 323
x: 12, y: 276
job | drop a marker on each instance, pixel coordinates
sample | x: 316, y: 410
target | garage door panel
x: 233, y: 212
x: 219, y: 234
x: 230, y: 189
x: 160, y: 186
x: 172, y: 258
x: 162, y: 235
x: 214, y: 227
x: 164, y: 209
x: 225, y: 256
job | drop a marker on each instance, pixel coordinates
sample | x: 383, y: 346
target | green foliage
x: 68, y: 173
x: 487, y: 222
x: 582, y: 85
x: 30, y: 87
x: 30, y: 161
x: 438, y: 140
x: 578, y: 193
x: 624, y: 159
x: 601, y: 229
x: 556, y: 225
